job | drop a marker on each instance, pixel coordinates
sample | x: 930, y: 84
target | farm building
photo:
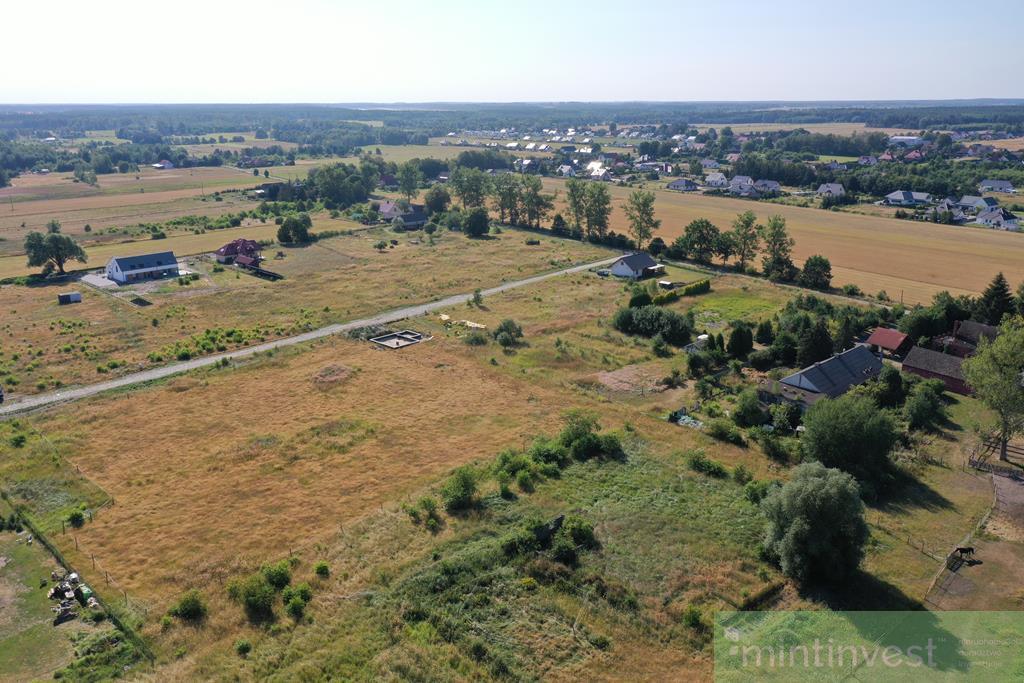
x: 240, y: 247
x: 636, y: 266
x: 709, y: 163
x: 964, y: 339
x: 831, y: 190
x: 125, y: 269
x: 829, y: 378
x: 69, y: 298
x: 936, y: 365
x: 682, y: 185
x: 888, y: 340
x: 163, y: 165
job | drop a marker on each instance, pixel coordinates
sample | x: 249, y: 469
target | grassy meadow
x: 315, y: 451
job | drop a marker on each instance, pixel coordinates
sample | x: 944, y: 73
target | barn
x: 935, y: 365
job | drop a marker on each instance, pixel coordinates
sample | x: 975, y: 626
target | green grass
x: 734, y: 304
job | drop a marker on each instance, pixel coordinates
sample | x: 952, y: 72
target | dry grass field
x: 250, y: 142
x: 905, y: 258
x: 312, y: 450
x: 334, y: 280
x: 1012, y: 144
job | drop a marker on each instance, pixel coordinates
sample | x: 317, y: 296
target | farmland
x: 876, y: 253
x: 336, y: 436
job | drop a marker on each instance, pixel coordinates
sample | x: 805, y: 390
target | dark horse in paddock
x: 965, y: 552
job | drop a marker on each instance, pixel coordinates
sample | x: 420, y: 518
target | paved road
x: 386, y: 318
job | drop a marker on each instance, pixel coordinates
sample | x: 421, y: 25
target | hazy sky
x: 522, y: 50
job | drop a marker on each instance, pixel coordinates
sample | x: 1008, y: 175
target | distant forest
x: 329, y: 125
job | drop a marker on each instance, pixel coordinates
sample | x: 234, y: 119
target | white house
x: 989, y: 185
x: 765, y: 186
x: 566, y: 171
x: 163, y: 165
x: 682, y: 185
x: 999, y: 218
x: 636, y: 266
x: 716, y: 180
x: 905, y: 198
x: 831, y: 190
x: 125, y: 269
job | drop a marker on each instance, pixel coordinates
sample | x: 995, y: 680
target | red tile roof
x: 887, y: 338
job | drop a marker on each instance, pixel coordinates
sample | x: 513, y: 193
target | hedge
x: 692, y: 289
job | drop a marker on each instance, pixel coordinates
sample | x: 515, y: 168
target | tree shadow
x: 903, y: 492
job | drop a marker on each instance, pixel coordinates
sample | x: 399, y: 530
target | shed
x: 935, y: 365
x: 888, y: 340
x: 69, y: 298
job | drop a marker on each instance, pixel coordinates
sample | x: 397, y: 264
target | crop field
x: 908, y: 259
x: 250, y: 142
x: 835, y: 128
x: 45, y: 345
x: 335, y: 437
x: 1012, y: 144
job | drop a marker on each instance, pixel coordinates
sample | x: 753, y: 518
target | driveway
x: 385, y: 318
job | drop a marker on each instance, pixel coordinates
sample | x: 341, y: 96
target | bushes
x: 924, y: 408
x: 322, y: 570
x: 508, y: 333
x: 475, y: 339
x: 695, y: 288
x: 191, y: 607
x: 648, y: 321
x: 278, y: 575
x: 255, y: 595
x: 849, y: 433
x: 76, y: 519
x: 724, y: 430
x: 748, y: 411
x: 698, y: 462
x: 459, y: 491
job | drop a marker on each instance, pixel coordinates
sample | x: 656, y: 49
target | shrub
x: 191, y: 607
x: 508, y: 333
x: 755, y: 490
x: 698, y: 462
x: 300, y: 591
x: 243, y: 647
x: 475, y: 339
x: 850, y: 433
x: 76, y: 519
x: 296, y: 608
x: 278, y: 575
x: 255, y: 595
x: 924, y: 407
x: 762, y: 360
x: 648, y: 321
x: 639, y: 298
x: 459, y: 491
x: 695, y: 288
x: 724, y: 430
x: 748, y: 411
x: 322, y: 570
x: 741, y: 474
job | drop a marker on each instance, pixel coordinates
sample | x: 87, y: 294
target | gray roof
x: 638, y: 261
x: 997, y: 184
x: 978, y: 202
x: 129, y: 263
x: 997, y: 213
x: 831, y: 188
x: 943, y: 364
x: 973, y: 331
x: 833, y: 377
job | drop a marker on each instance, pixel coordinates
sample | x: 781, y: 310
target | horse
x: 965, y: 552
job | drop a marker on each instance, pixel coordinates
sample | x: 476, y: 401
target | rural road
x: 388, y: 317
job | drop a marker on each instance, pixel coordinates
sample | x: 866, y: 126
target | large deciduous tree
x: 598, y: 211
x: 745, y: 237
x: 409, y: 178
x: 996, y: 374
x: 815, y: 525
x: 850, y: 433
x: 778, y: 246
x: 639, y: 210
x: 52, y: 251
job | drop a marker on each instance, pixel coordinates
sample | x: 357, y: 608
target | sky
x: 257, y: 51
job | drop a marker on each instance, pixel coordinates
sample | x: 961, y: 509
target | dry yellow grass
x: 913, y: 258
x: 331, y: 281
x: 262, y: 459
x: 1012, y: 144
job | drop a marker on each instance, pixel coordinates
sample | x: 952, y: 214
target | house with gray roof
x: 829, y: 378
x: 682, y: 185
x: 127, y: 269
x: 990, y: 185
x: 998, y: 218
x: 970, y: 202
x: 765, y: 186
x: 636, y: 266
x: 716, y: 180
x: 905, y: 198
x: 831, y: 190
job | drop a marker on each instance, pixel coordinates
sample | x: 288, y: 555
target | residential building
x: 637, y: 266
x: 709, y: 163
x: 867, y: 160
x: 831, y: 190
x: 829, y: 378
x: 126, y: 269
x: 682, y: 185
x: 976, y: 204
x: 998, y: 218
x: 905, y: 141
x: 240, y: 247
x: 566, y: 171
x: 765, y: 186
x: 989, y: 185
x: 905, y: 198
x: 716, y: 180
x: 741, y: 181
